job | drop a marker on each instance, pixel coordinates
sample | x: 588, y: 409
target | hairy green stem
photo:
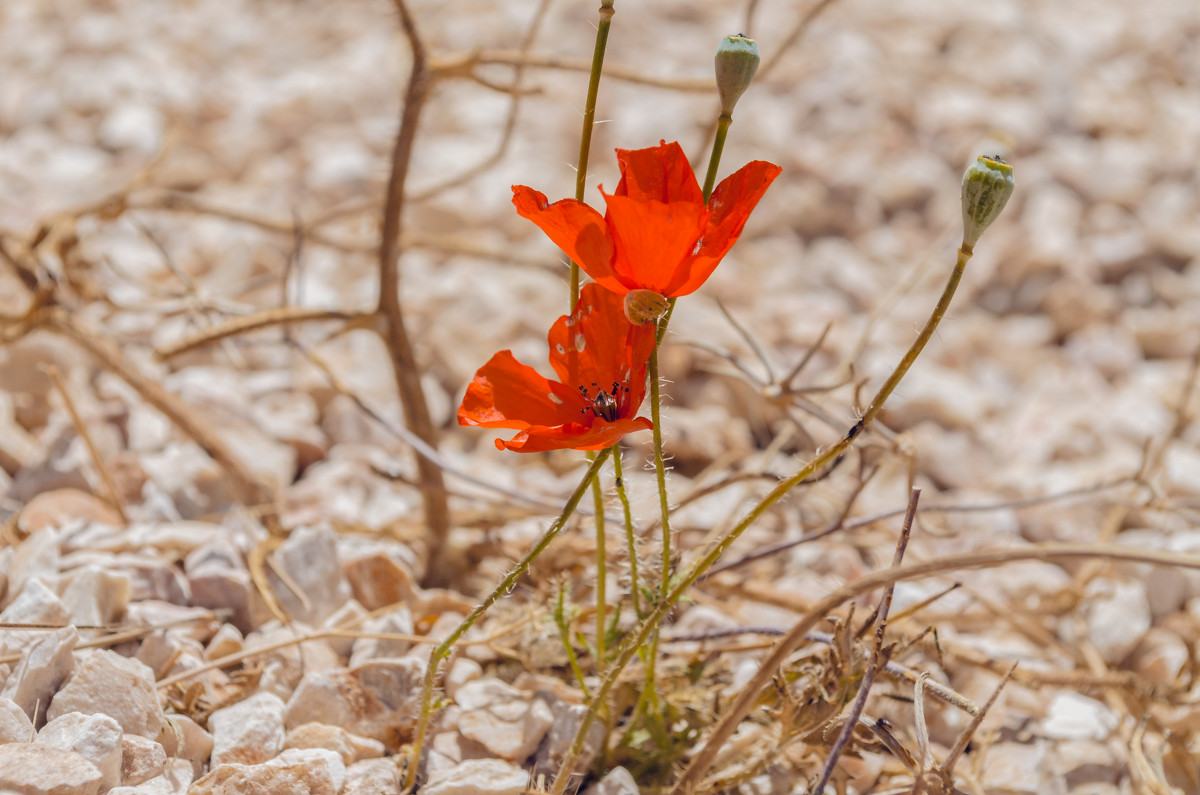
x: 630, y: 538
x: 442, y: 651
x: 589, y: 121
x: 601, y: 572
x: 660, y: 472
x: 826, y: 457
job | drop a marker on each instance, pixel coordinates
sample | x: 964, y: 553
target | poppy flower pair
x: 657, y: 235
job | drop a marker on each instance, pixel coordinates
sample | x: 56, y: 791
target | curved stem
x: 644, y: 630
x: 503, y: 587
x: 601, y: 572
x: 714, y: 159
x: 660, y: 472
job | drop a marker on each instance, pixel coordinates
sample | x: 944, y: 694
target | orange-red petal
x: 508, y: 394
x: 574, y: 227
x: 652, y: 240
x: 730, y: 204
x: 599, y: 436
x: 660, y: 173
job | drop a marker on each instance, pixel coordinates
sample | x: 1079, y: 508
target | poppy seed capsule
x: 644, y: 306
x: 737, y: 61
x: 986, y: 187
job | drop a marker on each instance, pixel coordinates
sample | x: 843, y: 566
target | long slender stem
x: 660, y: 472
x: 589, y: 121
x: 601, y: 574
x: 714, y: 158
x: 503, y: 587
x: 630, y: 539
x: 640, y: 636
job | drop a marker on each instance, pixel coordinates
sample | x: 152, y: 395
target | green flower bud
x: 985, y: 190
x: 737, y: 61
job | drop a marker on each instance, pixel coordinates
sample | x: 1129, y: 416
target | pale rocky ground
x: 1061, y: 372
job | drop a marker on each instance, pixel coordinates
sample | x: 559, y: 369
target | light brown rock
x: 248, y: 732
x: 141, y: 760
x: 479, y: 777
x: 15, y: 726
x: 39, y: 770
x: 310, y: 771
x: 380, y: 573
x: 505, y: 720
x: 182, y: 737
x: 105, y: 682
x: 397, y: 622
x: 350, y: 747
x: 97, y: 738
x: 372, y: 777
x: 377, y: 700
x: 309, y: 559
x: 41, y: 671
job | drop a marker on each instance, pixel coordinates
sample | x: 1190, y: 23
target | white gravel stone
x: 1118, y: 614
x: 479, y: 777
x: 95, y: 596
x: 31, y: 769
x: 105, y: 682
x: 248, y: 732
x: 310, y: 770
x: 97, y: 738
x: 462, y: 670
x: 15, y: 726
x: 35, y: 604
x: 377, y: 700
x: 1071, y: 716
x: 503, y: 719
x: 174, y: 780
x: 350, y: 747
x: 1019, y: 769
x: 397, y: 622
x: 309, y: 558
x: 41, y: 671
x: 372, y: 777
x: 619, y: 781
x: 141, y: 760
x: 181, y: 737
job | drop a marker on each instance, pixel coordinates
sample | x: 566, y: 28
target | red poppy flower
x: 657, y: 233
x: 600, y: 358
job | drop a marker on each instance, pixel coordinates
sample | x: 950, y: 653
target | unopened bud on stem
x: 737, y: 61
x: 644, y: 306
x: 985, y: 190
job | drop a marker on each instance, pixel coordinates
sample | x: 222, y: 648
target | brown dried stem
x: 272, y: 317
x: 404, y: 362
x: 114, y: 497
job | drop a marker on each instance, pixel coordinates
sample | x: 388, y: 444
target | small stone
x: 94, y: 596
x: 619, y: 781
x: 181, y: 737
x: 169, y: 651
x: 372, y: 777
x: 97, y: 738
x: 479, y: 777
x: 397, y: 622
x: 377, y: 700
x: 350, y: 747
x: 462, y: 670
x: 348, y: 616
x: 35, y: 604
x: 105, y: 682
x: 1019, y: 769
x: 141, y: 760
x: 53, y: 509
x: 227, y: 641
x: 15, y: 726
x: 1161, y: 657
x: 315, y: 586
x: 42, y: 670
x: 502, y: 718
x: 249, y: 732
x: 380, y: 572
x: 218, y: 578
x: 287, y: 663
x: 567, y: 718
x: 35, y: 558
x: 175, y: 779
x: 1081, y: 762
x: 310, y: 770
x: 38, y: 770
x: 1071, y: 716
x: 1117, y: 614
